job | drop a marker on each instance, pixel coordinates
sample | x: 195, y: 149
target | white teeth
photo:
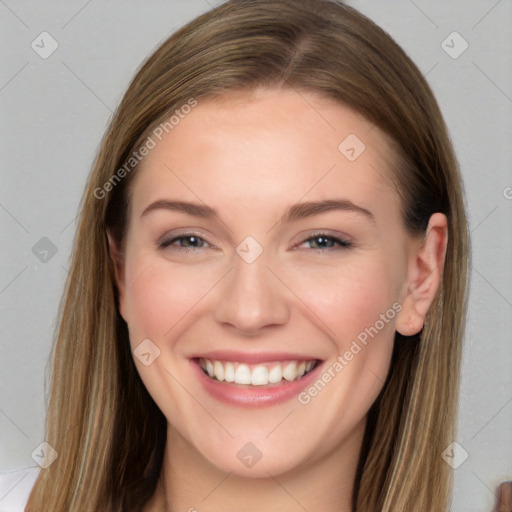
x: 275, y: 375
x: 229, y: 372
x: 290, y: 371
x: 218, y: 370
x: 258, y: 375
x: 243, y: 374
x: 209, y: 367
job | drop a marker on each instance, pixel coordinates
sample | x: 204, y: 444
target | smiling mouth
x: 273, y: 373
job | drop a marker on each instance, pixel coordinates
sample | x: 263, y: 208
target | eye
x: 185, y: 242
x: 325, y: 242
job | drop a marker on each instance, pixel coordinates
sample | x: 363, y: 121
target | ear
x: 118, y: 259
x: 424, y: 276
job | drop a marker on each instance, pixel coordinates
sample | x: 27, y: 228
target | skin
x: 250, y: 156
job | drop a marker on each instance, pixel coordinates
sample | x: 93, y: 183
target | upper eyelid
x: 346, y: 241
x: 168, y: 240
x: 177, y: 233
x: 342, y: 241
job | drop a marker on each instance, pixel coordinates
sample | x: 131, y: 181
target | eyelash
x: 340, y: 242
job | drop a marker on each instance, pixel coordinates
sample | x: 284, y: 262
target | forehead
x: 267, y: 148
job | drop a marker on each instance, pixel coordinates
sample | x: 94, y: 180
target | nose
x: 251, y: 298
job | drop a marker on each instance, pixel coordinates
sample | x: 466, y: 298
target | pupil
x: 322, y: 241
x: 190, y: 241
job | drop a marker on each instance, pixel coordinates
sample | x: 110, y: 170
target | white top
x: 15, y: 488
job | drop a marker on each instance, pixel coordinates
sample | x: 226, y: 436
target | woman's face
x: 265, y: 238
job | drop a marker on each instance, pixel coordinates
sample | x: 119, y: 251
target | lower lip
x: 253, y: 396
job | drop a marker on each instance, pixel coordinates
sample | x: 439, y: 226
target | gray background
x: 55, y: 110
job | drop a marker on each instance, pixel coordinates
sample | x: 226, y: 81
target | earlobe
x: 118, y: 260
x: 424, y: 276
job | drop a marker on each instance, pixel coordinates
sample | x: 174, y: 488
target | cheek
x: 358, y: 306
x: 159, y: 296
x: 351, y: 298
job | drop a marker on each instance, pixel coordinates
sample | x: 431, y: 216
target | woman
x: 267, y: 296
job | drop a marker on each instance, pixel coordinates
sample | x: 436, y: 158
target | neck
x: 190, y: 483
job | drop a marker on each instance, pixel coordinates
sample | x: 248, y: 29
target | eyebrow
x: 294, y: 212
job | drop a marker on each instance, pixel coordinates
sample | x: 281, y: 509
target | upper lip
x: 252, y: 358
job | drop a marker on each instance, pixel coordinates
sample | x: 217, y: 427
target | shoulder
x: 15, y: 488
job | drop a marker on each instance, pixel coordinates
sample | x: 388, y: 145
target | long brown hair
x: 107, y: 430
